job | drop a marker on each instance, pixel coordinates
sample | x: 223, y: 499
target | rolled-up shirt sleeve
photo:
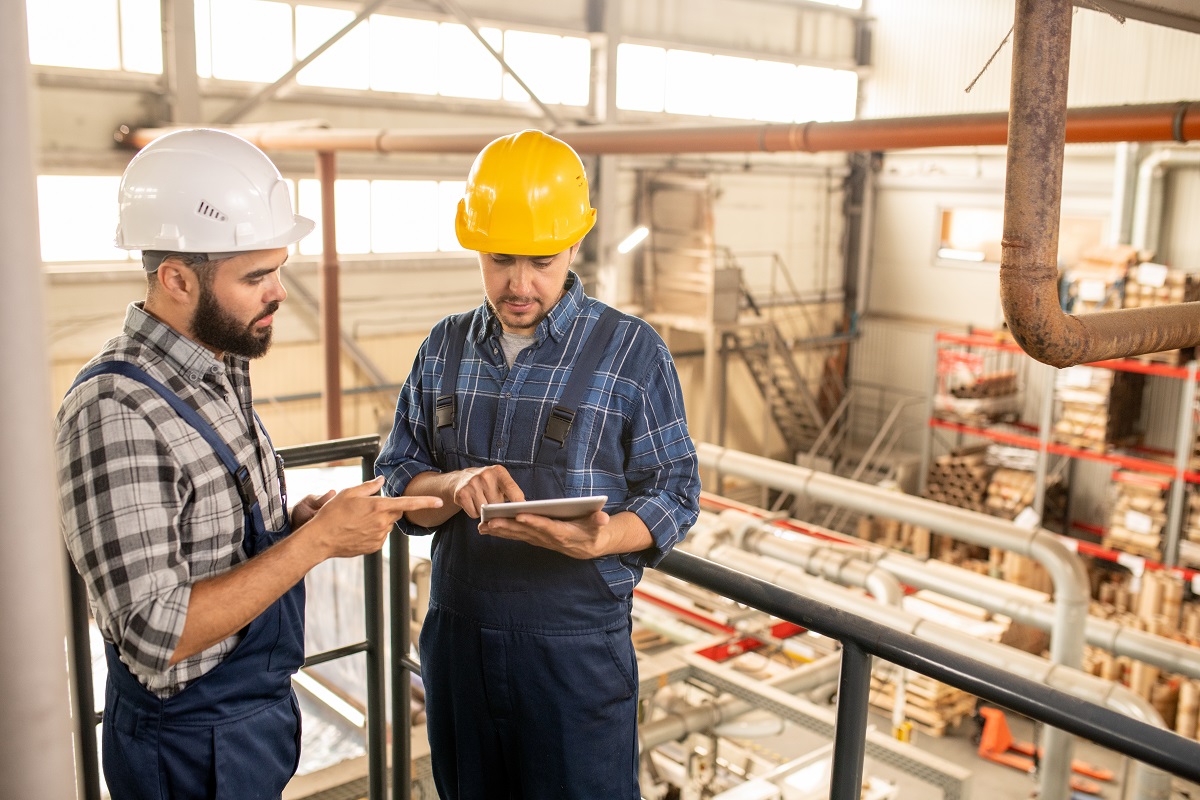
x: 407, y: 452
x: 661, y: 468
x: 121, y: 496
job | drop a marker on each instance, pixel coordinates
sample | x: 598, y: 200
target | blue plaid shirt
x: 629, y: 439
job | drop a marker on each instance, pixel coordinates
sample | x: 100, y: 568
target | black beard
x: 217, y: 329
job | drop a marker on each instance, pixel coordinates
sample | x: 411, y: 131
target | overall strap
x: 240, y: 474
x: 445, y: 408
x: 558, y: 424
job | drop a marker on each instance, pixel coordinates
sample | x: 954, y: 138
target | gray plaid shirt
x: 146, y: 506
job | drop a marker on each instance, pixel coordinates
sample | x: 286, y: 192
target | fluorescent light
x: 633, y: 239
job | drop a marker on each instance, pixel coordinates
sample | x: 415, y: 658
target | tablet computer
x: 560, y: 508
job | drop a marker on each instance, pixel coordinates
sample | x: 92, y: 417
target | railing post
x: 850, y: 731
x: 401, y: 639
x: 376, y: 638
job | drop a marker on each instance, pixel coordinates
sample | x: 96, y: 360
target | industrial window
x: 702, y: 84
x: 345, y: 65
x: 556, y: 68
x: 385, y: 216
x: 259, y: 40
x: 971, y: 236
x: 77, y: 217
x: 96, y: 34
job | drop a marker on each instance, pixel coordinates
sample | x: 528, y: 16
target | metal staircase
x: 796, y: 365
x: 786, y: 391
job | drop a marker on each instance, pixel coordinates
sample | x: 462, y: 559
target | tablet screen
x: 560, y: 508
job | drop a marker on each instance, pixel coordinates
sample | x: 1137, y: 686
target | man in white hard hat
x: 171, y: 495
x: 541, y: 392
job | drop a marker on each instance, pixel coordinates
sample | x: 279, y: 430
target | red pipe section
x: 1038, y: 128
x: 1155, y: 122
x: 328, y: 275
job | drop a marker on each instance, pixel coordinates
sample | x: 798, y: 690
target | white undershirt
x: 513, y: 344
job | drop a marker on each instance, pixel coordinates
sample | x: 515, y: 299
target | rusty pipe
x: 1154, y: 122
x: 1032, y: 201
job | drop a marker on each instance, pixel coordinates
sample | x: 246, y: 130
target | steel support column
x: 35, y: 689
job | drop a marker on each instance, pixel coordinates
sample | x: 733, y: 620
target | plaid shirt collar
x: 556, y: 324
x: 190, y: 359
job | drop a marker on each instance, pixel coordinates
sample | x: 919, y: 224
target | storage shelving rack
x: 1179, y: 469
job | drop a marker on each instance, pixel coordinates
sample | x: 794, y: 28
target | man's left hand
x: 307, y: 508
x: 586, y: 537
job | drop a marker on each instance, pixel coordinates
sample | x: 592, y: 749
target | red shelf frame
x: 1033, y: 443
x: 991, y: 341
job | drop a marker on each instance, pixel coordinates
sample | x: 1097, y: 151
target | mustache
x: 519, y: 300
x: 271, y: 309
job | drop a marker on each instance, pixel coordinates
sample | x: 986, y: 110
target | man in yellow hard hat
x: 171, y: 495
x: 539, y: 393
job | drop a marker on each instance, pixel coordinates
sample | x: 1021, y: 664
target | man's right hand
x: 355, y: 521
x: 478, y: 485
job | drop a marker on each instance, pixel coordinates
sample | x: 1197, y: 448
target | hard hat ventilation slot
x: 205, y: 210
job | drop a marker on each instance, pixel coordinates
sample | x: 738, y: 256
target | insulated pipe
x: 1070, y: 579
x: 1153, y: 122
x: 1065, y: 569
x: 677, y: 725
x: 1003, y: 598
x: 1037, y: 130
x: 1023, y: 605
x: 839, y: 566
x: 1147, y: 208
x: 1151, y: 783
x: 35, y: 689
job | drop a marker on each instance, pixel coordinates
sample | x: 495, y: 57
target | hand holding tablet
x: 559, y: 508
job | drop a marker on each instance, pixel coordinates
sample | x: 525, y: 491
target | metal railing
x: 365, y: 448
x: 861, y: 638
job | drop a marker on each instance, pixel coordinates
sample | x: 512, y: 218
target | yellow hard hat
x: 526, y: 195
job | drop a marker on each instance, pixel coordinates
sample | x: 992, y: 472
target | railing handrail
x: 1140, y: 740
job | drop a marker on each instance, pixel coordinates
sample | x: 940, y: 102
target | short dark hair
x: 200, y: 263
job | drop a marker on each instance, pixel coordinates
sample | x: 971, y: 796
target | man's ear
x: 574, y: 252
x: 177, y: 280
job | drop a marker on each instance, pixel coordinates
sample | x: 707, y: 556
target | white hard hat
x: 205, y: 191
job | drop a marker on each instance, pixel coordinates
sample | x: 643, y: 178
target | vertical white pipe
x: 35, y: 720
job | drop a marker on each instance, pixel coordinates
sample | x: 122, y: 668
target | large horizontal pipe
x: 1156, y: 122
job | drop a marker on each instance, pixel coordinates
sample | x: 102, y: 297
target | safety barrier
x: 860, y: 638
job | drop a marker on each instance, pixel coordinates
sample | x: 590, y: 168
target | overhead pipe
x: 1065, y: 570
x: 1151, y: 122
x: 1037, y: 131
x: 1149, y: 783
x: 1147, y: 208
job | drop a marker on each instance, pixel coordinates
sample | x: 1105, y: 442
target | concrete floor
x: 991, y: 781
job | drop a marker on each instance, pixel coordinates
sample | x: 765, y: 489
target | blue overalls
x: 235, y: 731
x: 530, y: 675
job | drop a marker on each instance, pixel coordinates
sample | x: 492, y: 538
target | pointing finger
x: 365, y: 489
